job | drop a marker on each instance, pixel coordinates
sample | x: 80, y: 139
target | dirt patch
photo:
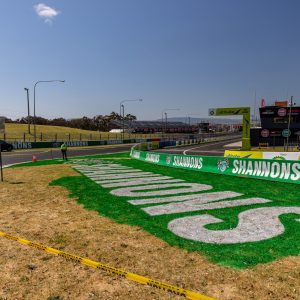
x: 32, y: 209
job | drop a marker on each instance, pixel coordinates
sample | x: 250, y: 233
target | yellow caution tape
x: 131, y: 276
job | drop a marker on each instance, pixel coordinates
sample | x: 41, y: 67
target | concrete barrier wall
x: 33, y: 145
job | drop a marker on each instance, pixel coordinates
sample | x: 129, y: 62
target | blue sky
x: 188, y: 54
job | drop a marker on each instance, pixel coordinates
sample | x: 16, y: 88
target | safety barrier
x: 33, y: 145
x: 282, y: 171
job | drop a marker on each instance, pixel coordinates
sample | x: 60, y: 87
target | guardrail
x: 282, y: 171
x: 33, y: 145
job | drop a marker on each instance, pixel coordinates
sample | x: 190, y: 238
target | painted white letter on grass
x: 161, y: 189
x: 254, y: 225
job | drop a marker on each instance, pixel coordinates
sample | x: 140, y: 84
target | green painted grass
x: 245, y: 255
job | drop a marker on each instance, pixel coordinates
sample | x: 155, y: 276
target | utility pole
x: 166, y: 118
x: 28, y: 114
x: 1, y: 169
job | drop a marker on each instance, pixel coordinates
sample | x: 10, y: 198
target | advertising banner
x: 33, y: 145
x: 263, y: 155
x: 274, y: 170
x: 282, y: 155
x: 243, y: 154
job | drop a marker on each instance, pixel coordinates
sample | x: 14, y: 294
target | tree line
x: 99, y: 122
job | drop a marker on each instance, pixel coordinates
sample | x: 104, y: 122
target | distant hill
x: 214, y: 120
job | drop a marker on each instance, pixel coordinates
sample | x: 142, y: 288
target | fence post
x: 41, y: 136
x: 69, y: 136
x: 90, y: 136
x: 24, y: 137
x: 55, y: 137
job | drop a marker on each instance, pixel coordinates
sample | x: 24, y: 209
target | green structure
x: 243, y: 111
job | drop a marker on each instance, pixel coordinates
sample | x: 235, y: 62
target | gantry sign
x: 236, y: 111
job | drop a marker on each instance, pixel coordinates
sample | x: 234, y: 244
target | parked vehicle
x: 6, y: 146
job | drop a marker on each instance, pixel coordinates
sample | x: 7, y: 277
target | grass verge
x: 242, y: 255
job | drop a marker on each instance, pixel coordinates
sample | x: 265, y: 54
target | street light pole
x: 289, y: 122
x: 166, y: 118
x: 122, y: 111
x: 28, y: 114
x: 34, y: 116
x: 162, y: 116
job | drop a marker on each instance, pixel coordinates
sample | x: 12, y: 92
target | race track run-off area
x: 234, y: 221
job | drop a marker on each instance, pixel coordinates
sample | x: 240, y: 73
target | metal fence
x: 57, y: 137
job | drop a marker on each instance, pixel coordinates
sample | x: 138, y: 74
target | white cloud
x: 46, y: 12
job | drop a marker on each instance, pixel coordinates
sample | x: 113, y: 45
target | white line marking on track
x: 210, y: 144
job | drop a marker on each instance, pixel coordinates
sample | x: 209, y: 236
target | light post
x: 188, y: 118
x: 28, y: 114
x: 162, y: 117
x: 122, y: 111
x: 289, y: 122
x: 34, y: 117
x: 166, y: 118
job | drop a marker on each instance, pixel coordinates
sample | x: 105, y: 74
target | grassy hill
x: 19, y: 132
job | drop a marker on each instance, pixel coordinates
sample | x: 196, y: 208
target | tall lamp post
x: 122, y: 111
x: 164, y: 112
x: 34, y: 117
x: 289, y: 122
x: 28, y: 114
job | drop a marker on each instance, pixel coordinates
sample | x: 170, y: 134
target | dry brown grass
x: 35, y: 211
x: 15, y: 132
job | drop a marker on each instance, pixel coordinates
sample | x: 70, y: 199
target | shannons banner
x: 33, y: 145
x: 284, y: 171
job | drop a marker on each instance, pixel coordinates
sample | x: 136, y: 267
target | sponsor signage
x: 243, y: 154
x: 30, y: 145
x: 275, y: 133
x: 281, y: 112
x: 267, y: 112
x: 265, y: 133
x: 282, y: 155
x: 275, y: 170
x: 286, y: 133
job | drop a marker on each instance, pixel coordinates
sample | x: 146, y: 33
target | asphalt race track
x: 209, y: 149
x: 19, y: 156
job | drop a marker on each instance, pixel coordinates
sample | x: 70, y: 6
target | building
x: 277, y: 123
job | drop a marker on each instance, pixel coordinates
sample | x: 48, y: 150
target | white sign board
x: 282, y: 155
x: 2, y: 125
